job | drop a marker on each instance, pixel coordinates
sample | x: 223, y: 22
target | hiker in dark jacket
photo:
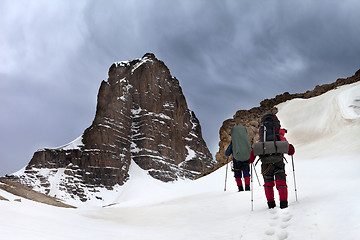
x: 273, y: 171
x: 241, y: 167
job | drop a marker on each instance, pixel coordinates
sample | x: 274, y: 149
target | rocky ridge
x: 21, y: 191
x: 141, y: 117
x: 250, y: 118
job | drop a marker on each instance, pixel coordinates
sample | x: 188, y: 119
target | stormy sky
x: 227, y: 55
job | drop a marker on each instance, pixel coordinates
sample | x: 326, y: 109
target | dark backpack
x: 270, y: 150
x: 269, y: 128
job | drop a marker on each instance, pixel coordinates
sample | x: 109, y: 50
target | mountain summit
x: 142, y: 117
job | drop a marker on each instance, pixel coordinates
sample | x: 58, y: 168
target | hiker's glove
x: 291, y: 150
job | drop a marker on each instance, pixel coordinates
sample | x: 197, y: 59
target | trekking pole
x: 256, y: 174
x: 292, y: 160
x: 252, y: 190
x: 227, y: 164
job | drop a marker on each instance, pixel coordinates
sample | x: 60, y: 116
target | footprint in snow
x: 284, y: 225
x: 282, y: 235
x: 279, y: 221
x: 285, y: 215
x: 270, y: 232
x: 286, y: 219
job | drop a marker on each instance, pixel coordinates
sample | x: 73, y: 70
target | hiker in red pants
x: 272, y: 164
x: 240, y: 148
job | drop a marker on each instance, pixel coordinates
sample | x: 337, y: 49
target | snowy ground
x: 325, y: 131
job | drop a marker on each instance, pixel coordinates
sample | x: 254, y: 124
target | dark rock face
x: 250, y: 118
x: 141, y: 116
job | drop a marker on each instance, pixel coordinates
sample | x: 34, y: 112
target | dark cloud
x: 228, y: 55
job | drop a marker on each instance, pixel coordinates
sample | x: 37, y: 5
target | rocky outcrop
x: 250, y: 118
x: 141, y: 117
x: 20, y: 190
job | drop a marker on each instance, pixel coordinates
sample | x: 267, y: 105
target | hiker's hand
x: 291, y: 150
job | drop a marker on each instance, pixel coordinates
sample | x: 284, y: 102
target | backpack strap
x: 275, y: 140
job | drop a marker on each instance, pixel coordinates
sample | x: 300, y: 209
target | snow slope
x: 325, y: 131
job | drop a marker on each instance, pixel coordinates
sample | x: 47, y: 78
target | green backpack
x: 241, y: 146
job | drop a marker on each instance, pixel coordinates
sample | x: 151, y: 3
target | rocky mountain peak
x: 141, y: 118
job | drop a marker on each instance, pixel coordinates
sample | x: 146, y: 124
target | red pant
x: 281, y: 187
x: 239, y: 182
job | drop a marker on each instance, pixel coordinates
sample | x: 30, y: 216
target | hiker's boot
x: 247, y: 187
x: 269, y: 191
x: 271, y: 204
x: 283, y: 204
x: 240, y: 188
